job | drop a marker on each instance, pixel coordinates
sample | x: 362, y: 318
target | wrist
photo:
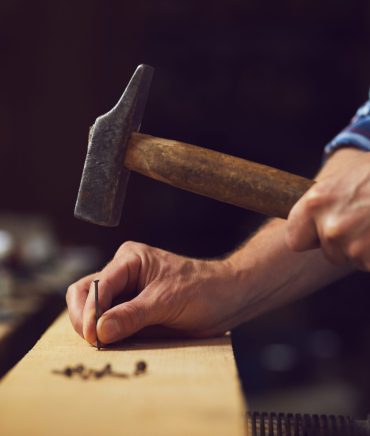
x: 341, y: 160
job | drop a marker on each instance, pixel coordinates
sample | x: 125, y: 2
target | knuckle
x: 353, y: 252
x: 126, y: 247
x: 323, y: 188
x: 333, y: 227
x: 131, y: 246
x: 356, y: 252
x: 320, y: 194
x: 312, y: 201
x: 359, y: 255
x: 331, y: 232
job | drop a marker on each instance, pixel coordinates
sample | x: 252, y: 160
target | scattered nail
x: 85, y: 373
x: 140, y: 367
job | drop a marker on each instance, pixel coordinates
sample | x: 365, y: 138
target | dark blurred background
x: 269, y: 81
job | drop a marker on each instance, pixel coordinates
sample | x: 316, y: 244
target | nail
x: 97, y: 312
x: 140, y: 367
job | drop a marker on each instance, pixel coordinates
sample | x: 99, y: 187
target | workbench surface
x: 191, y: 387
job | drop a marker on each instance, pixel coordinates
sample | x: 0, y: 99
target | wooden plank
x: 191, y: 388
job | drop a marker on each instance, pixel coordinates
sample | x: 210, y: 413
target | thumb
x: 124, y: 320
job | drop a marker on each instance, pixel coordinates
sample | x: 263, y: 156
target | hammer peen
x: 116, y: 147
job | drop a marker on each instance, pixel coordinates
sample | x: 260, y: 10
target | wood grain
x: 216, y: 175
x: 191, y: 388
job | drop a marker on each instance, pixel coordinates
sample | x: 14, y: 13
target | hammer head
x: 104, y: 178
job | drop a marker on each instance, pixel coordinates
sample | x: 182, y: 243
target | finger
x: 76, y: 297
x: 343, y: 236
x: 119, y: 276
x: 301, y: 232
x: 358, y: 251
x: 331, y: 237
x: 126, y: 319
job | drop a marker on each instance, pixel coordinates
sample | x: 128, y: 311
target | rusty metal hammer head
x: 104, y: 178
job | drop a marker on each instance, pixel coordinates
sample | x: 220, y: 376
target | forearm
x: 269, y: 274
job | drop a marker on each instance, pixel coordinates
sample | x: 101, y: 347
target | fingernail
x: 109, y: 330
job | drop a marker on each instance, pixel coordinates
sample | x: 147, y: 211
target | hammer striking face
x: 104, y: 178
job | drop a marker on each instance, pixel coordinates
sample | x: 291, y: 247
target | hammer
x: 115, y: 147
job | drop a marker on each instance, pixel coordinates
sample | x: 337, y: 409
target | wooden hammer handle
x: 216, y: 175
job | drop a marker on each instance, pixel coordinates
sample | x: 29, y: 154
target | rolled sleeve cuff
x: 355, y: 135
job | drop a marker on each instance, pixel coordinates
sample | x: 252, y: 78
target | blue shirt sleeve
x: 355, y: 135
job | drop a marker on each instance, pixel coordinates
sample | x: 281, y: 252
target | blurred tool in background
x: 35, y: 270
